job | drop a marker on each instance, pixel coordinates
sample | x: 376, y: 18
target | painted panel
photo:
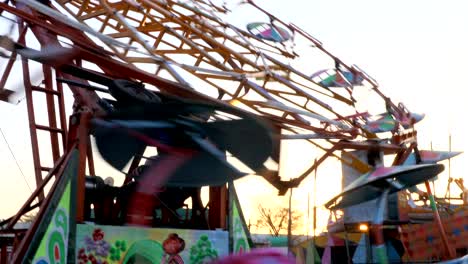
x: 241, y: 240
x: 125, y: 244
x: 52, y: 241
x: 54, y: 245
x: 423, y: 242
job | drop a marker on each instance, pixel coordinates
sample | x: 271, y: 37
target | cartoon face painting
x: 172, y: 246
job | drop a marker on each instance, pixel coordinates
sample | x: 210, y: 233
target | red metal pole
x: 32, y: 126
x: 218, y: 207
x: 62, y: 112
x: 82, y: 149
x: 48, y: 85
x: 4, y: 254
x: 90, y: 158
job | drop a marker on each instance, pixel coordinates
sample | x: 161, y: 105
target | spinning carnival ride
x: 175, y: 77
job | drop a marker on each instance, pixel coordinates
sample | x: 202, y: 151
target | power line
x: 16, y: 161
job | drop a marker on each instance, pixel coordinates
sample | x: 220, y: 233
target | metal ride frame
x: 171, y: 34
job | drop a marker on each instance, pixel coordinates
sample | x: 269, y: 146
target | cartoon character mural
x: 100, y: 244
x: 96, y: 249
x: 172, y: 246
x: 203, y: 252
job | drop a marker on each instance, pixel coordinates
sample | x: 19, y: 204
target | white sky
x: 415, y: 49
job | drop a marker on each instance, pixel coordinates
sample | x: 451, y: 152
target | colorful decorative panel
x: 423, y: 241
x: 54, y: 246
x: 125, y: 244
x: 241, y: 240
x: 50, y: 242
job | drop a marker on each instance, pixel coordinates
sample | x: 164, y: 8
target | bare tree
x: 28, y: 218
x: 276, y: 220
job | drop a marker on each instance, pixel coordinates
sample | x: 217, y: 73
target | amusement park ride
x: 175, y: 77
